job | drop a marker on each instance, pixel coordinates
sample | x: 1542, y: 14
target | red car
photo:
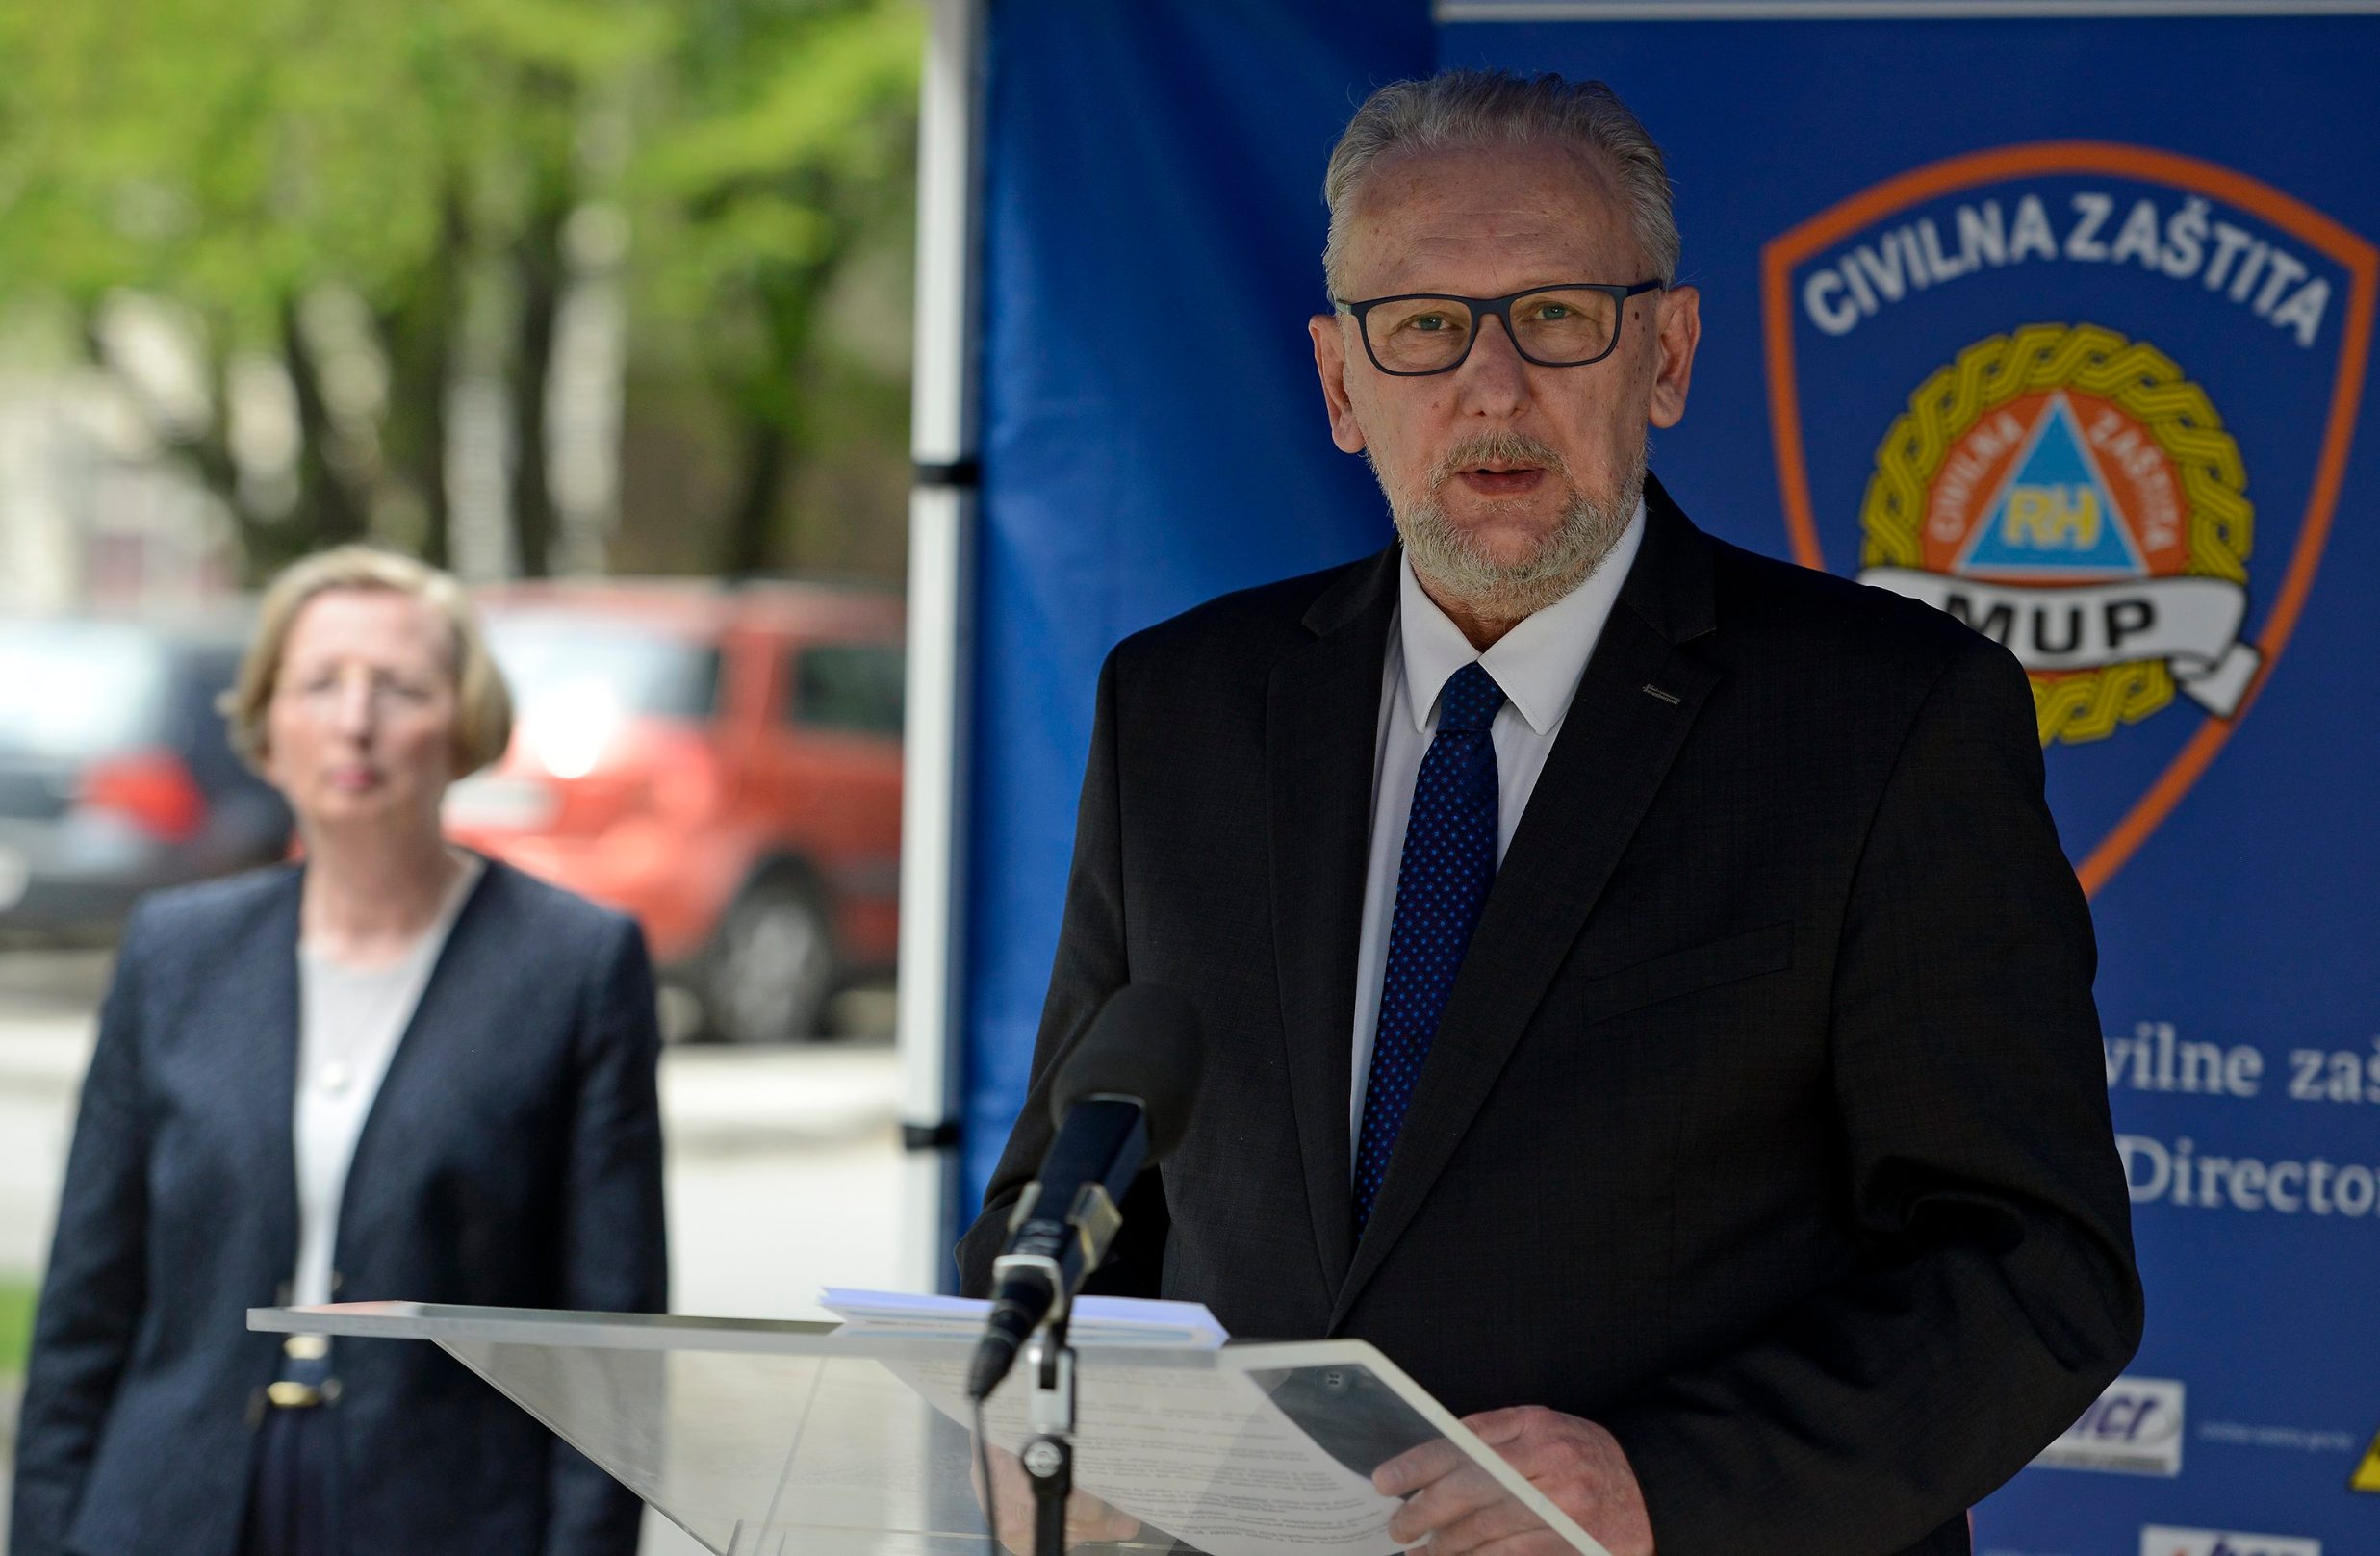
x: 722, y: 762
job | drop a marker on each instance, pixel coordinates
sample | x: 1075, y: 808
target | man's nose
x: 1494, y: 380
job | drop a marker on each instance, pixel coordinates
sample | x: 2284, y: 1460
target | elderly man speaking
x: 1645, y: 994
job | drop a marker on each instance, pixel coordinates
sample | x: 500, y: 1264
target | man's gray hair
x: 1470, y: 108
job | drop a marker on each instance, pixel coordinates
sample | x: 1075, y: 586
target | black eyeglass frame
x: 1484, y: 308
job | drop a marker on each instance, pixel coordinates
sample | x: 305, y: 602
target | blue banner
x: 1147, y: 166
x: 2061, y: 324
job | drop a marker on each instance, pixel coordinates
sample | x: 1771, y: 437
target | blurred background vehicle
x: 115, y: 774
x: 722, y: 762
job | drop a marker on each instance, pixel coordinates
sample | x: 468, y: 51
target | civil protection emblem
x: 2096, y: 401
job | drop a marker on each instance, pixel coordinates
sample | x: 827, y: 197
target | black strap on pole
x: 965, y: 473
x: 942, y: 1135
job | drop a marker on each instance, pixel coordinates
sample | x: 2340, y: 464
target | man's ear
x: 1330, y: 362
x: 1677, y: 329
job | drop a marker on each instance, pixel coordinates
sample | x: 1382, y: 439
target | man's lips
x: 1501, y: 483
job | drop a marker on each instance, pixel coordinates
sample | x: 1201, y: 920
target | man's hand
x: 1454, y: 1506
x: 1088, y: 1519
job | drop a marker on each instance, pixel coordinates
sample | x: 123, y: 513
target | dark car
x: 115, y: 776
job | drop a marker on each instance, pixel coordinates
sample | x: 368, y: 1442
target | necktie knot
x: 1470, y: 699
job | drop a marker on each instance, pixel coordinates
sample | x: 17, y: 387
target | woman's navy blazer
x: 512, y: 1158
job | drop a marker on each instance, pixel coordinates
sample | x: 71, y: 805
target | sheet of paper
x: 1198, y: 1453
x: 1096, y: 1320
x: 1201, y: 1453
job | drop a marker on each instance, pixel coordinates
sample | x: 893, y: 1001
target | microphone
x: 1120, y: 1101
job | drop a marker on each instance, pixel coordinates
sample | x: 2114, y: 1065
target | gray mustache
x: 1496, y: 448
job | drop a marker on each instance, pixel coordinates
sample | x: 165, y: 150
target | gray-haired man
x: 1644, y: 993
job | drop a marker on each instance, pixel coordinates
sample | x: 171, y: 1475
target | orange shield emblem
x: 2095, y: 400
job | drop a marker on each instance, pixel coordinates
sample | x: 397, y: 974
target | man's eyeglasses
x: 1415, y: 334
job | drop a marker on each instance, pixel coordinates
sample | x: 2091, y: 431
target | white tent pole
x: 941, y: 586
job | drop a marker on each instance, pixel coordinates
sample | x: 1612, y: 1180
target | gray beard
x: 1445, y: 556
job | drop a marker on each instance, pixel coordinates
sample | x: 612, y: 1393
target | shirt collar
x: 1538, y: 663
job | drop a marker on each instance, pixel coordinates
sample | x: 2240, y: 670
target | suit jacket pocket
x: 1729, y: 959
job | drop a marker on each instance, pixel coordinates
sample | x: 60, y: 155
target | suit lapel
x: 268, y: 1022
x: 444, y: 1019
x: 1616, y: 743
x: 1322, y: 733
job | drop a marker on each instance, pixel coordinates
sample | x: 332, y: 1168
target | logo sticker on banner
x: 2366, y: 1477
x: 2034, y: 388
x: 2135, y: 1429
x: 2157, y: 1540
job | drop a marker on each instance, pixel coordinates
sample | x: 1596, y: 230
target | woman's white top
x: 350, y: 1021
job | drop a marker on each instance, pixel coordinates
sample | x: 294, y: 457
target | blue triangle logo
x: 2054, y: 515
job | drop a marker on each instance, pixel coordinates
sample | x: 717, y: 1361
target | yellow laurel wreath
x: 2087, y: 705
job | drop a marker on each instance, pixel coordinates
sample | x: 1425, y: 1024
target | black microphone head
x: 1144, y: 1044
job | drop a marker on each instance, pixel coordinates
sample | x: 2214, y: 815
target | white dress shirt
x: 349, y: 1021
x: 1538, y: 664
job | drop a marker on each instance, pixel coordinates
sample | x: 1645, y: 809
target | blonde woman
x: 397, y: 1070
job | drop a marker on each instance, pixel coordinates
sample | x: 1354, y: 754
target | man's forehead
x: 1462, y: 210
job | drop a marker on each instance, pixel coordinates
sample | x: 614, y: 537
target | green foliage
x: 16, y: 1304
x: 222, y: 155
x: 234, y: 155
x: 787, y: 143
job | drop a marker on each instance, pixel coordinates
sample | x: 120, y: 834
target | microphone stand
x: 1049, y: 1455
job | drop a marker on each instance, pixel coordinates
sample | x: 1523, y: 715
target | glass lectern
x: 770, y: 1438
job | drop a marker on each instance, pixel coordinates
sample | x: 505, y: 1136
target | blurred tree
x: 784, y: 153
x: 372, y: 205
x: 213, y: 156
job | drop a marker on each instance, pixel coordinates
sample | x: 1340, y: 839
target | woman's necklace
x: 369, y: 998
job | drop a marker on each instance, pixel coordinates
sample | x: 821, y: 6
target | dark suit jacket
x: 512, y: 1158
x: 1765, y: 1123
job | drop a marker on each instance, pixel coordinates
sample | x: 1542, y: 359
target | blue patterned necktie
x: 1442, y: 882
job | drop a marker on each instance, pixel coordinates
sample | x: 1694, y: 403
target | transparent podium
x: 772, y: 1439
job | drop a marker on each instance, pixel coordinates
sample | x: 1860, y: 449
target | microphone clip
x: 1049, y: 1362
x: 1093, y: 1212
